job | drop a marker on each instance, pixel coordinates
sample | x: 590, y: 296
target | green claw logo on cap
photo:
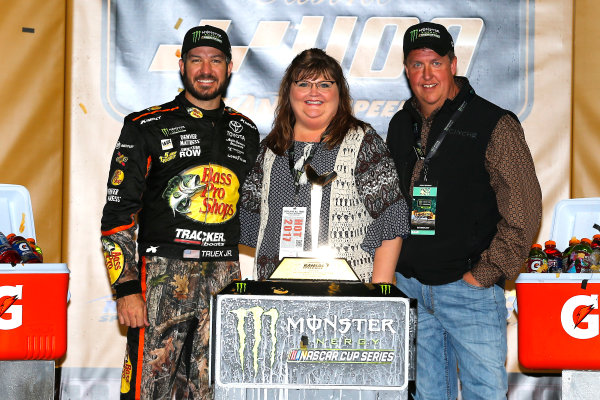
x: 414, y: 34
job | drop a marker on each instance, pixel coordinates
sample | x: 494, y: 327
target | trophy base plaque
x: 314, y: 269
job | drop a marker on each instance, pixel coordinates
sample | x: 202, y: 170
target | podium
x: 287, y: 339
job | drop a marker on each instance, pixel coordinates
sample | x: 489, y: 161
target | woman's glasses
x: 322, y: 86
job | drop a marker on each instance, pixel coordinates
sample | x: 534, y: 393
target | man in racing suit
x: 176, y: 171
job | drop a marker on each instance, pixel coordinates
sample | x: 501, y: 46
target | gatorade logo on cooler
x: 11, y: 315
x: 577, y: 319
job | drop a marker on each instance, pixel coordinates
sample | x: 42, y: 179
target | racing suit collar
x: 212, y: 114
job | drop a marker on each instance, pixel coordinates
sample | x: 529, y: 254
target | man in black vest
x: 476, y: 207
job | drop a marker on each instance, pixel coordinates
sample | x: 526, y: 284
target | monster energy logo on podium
x: 257, y: 318
x: 240, y: 287
x: 385, y: 289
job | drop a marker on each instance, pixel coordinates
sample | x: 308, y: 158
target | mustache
x: 205, y: 76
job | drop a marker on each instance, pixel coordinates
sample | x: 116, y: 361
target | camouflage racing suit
x: 175, y: 175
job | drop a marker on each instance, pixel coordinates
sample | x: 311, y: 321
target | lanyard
x: 442, y: 135
x: 296, y: 174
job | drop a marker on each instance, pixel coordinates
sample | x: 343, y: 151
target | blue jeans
x: 464, y: 324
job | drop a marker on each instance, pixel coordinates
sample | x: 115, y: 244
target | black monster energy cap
x: 428, y: 35
x: 206, y: 35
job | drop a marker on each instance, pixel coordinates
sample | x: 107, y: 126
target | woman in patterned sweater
x: 319, y: 158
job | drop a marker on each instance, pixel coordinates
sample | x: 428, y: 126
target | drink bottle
x: 579, y: 257
x: 537, y: 261
x: 7, y: 253
x: 554, y: 256
x: 588, y: 256
x: 565, y: 261
x: 22, y: 247
x: 37, y: 249
x: 595, y: 256
x: 596, y: 241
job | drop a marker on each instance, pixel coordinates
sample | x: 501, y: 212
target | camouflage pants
x: 170, y: 357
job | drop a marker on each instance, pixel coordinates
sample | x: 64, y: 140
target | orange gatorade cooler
x: 559, y: 321
x: 33, y: 311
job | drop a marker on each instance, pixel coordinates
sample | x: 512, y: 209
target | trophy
x: 320, y: 263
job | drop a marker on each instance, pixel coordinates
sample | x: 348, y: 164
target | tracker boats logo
x: 364, y: 36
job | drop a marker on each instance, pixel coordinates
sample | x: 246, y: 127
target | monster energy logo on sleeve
x: 385, y: 289
x: 165, y: 131
x: 257, y: 314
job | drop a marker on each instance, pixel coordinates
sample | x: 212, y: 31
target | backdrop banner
x: 124, y: 58
x: 365, y: 36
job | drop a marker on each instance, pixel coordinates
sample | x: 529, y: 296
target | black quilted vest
x: 467, y: 212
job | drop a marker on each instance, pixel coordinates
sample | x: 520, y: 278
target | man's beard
x: 204, y: 95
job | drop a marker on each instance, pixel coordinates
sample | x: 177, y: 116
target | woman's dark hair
x: 310, y: 64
